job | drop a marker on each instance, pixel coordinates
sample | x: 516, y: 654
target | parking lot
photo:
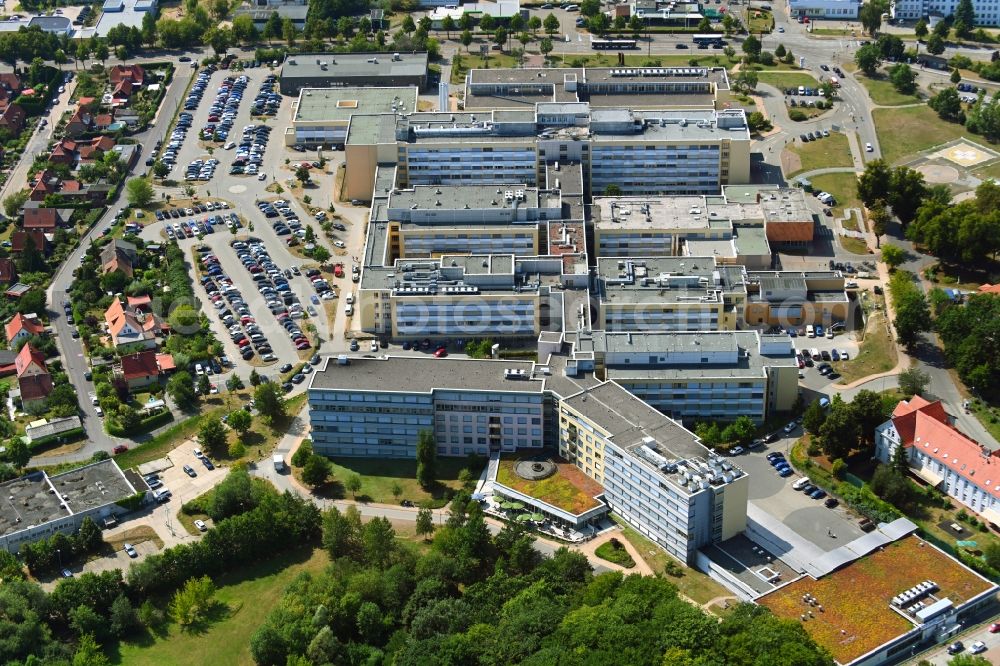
x: 828, y: 528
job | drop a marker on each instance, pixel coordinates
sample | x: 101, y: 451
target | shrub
x: 796, y: 115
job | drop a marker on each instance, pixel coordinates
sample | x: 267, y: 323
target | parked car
x: 200, y: 524
x: 130, y: 550
x: 190, y: 471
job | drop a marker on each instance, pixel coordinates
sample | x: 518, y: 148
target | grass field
x: 568, y: 488
x: 843, y: 187
x: 692, y: 583
x: 877, y: 353
x: 380, y: 475
x: 832, y: 151
x: 613, y: 551
x: 788, y: 80
x: 989, y: 171
x: 882, y: 92
x: 760, y: 21
x: 904, y: 132
x: 248, y: 595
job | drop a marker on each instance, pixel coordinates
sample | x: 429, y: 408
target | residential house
x: 942, y: 456
x: 69, y: 151
x: 22, y: 327
x: 134, y: 74
x: 140, y: 369
x: 45, y: 183
x: 102, y: 121
x: 10, y: 88
x: 44, y: 219
x: 80, y: 122
x: 132, y: 328
x: 19, y: 239
x: 8, y: 271
x: 7, y: 365
x: 123, y: 91
x: 95, y: 150
x: 118, y: 255
x: 990, y: 289
x: 33, y: 378
x: 13, y: 118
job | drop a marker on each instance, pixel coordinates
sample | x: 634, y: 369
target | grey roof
x: 39, y: 499
x: 371, y: 129
x: 453, y: 197
x: 339, y: 104
x: 53, y: 427
x: 297, y: 13
x: 413, y: 374
x: 358, y: 66
x: 51, y: 23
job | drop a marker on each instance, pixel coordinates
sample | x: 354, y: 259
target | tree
x: 868, y: 58
x: 204, y: 386
x: 813, y: 418
x: 545, y: 47
x: 353, y: 484
x: 139, y: 192
x: 903, y: 78
x: 590, y: 7
x: 302, y: 174
x: 880, y: 218
x: 956, y: 76
x: 935, y: 44
x: 873, y: 184
x: 870, y: 15
x: 839, y: 432
x: 272, y: 28
x: 234, y: 383
x: 746, y: 79
x: 378, y: 542
x: 18, y: 453
x: 466, y: 39
x: 500, y: 37
x: 751, y: 47
x: 965, y: 19
x: 12, y: 204
x: 425, y: 522
x: 288, y: 31
x: 255, y: 379
x: 240, y: 420
x: 212, y: 436
x: 88, y: 653
x: 947, y: 104
x: 487, y: 23
x: 704, y: 25
x: 426, y: 459
x: 101, y: 52
x: 192, y: 603
x: 160, y: 170
x: 728, y: 23
x: 969, y: 659
x: 758, y: 122
x: 302, y: 454
x: 316, y: 471
x: 269, y: 403
x: 448, y: 24
x: 551, y: 25
x: 396, y: 490
x: 244, y: 30
x: 920, y: 29
x: 891, y: 486
x: 612, y: 190
x: 534, y: 24
x: 123, y: 617
x: 893, y: 256
x: 181, y: 389
x: 907, y: 191
x: 913, y: 381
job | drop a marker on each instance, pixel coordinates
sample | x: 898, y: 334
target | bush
x: 839, y: 468
x: 796, y: 115
x: 303, y: 453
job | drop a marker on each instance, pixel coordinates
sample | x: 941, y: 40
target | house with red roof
x: 13, y: 118
x: 942, y: 456
x: 22, y: 327
x: 81, y: 121
x: 133, y: 328
x: 140, y: 369
x: 42, y: 219
x: 990, y: 289
x: 33, y: 378
x: 8, y: 271
x: 19, y: 239
x: 45, y: 183
x: 134, y: 74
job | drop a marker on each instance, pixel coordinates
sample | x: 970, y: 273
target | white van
x: 810, y: 331
x: 350, y: 298
x: 814, y: 352
x: 801, y: 483
x: 349, y: 310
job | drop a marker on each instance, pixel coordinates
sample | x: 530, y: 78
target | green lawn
x: 788, y: 80
x: 760, y: 21
x: 990, y: 171
x: 832, y: 151
x: 568, y: 488
x: 380, y: 475
x: 692, y: 583
x: 877, y: 353
x: 248, y: 595
x: 904, y: 132
x: 881, y: 90
x: 988, y: 415
x: 613, y: 551
x: 843, y: 187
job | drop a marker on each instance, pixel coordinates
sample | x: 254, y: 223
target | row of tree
x: 846, y: 427
x: 474, y: 598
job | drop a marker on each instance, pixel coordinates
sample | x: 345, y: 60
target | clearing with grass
x: 905, y: 132
x: 831, y: 151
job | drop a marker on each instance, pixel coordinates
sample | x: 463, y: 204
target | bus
x: 711, y: 39
x: 613, y: 44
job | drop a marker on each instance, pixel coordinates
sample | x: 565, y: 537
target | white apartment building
x: 837, y: 10
x: 987, y: 11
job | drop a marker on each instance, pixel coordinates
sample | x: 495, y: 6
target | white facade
x: 831, y: 9
x: 987, y: 11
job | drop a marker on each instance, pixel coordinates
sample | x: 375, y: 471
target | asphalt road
x: 71, y: 350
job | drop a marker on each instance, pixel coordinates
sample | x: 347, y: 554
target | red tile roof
x: 165, y: 362
x: 21, y: 323
x: 925, y: 425
x: 27, y: 357
x: 35, y: 387
x: 18, y: 239
x: 133, y: 73
x: 990, y: 289
x: 40, y: 218
x: 139, y: 365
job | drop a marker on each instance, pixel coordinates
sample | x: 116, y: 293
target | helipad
x: 965, y: 153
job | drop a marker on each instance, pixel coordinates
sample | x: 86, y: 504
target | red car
x: 121, y: 448
x: 995, y: 628
x: 338, y: 270
x: 441, y: 352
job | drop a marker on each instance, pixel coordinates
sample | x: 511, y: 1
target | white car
x: 340, y: 244
x: 230, y: 145
x: 130, y: 549
x: 868, y: 148
x: 99, y: 411
x: 262, y: 176
x: 844, y: 356
x: 197, y: 453
x: 977, y: 647
x: 374, y: 345
x: 200, y: 524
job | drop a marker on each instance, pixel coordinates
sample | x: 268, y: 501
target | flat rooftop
x: 681, y: 213
x: 36, y: 499
x: 413, y: 374
x: 628, y: 420
x: 371, y: 129
x: 857, y: 614
x: 666, y: 280
x: 354, y: 65
x: 471, y: 197
x: 339, y: 104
